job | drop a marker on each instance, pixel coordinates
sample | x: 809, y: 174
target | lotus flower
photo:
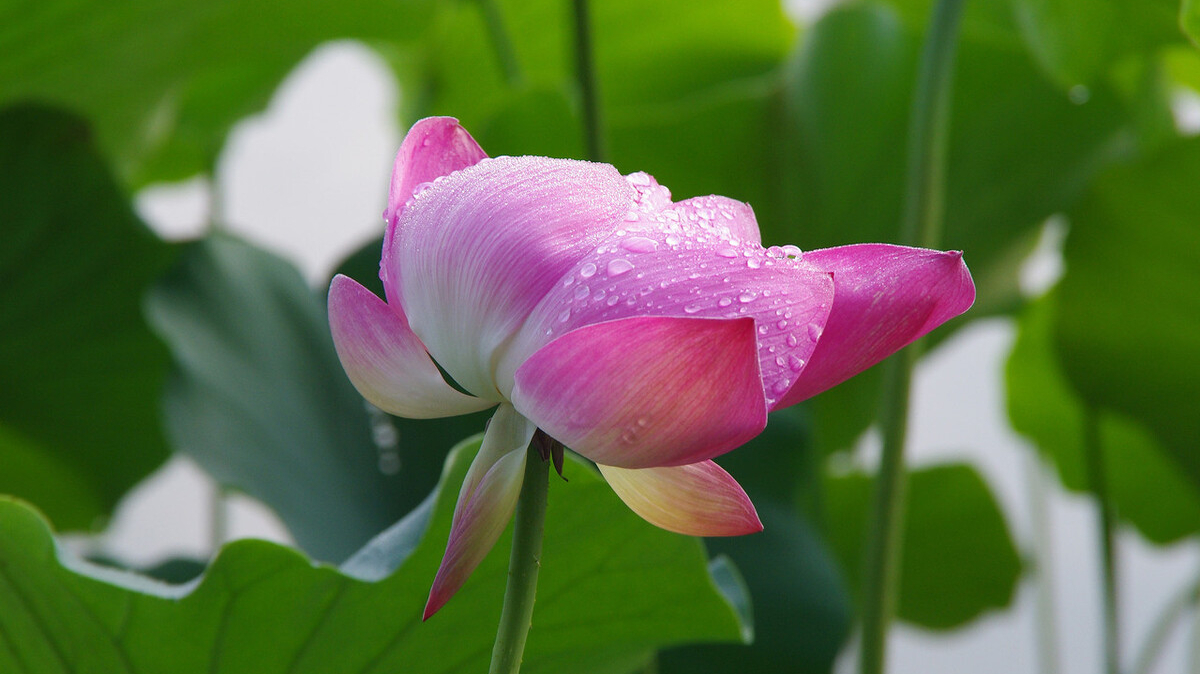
x: 647, y: 335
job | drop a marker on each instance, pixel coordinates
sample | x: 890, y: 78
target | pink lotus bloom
x: 647, y: 335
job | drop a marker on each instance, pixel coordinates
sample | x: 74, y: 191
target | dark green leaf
x: 80, y: 373
x: 259, y: 399
x: 612, y: 589
x: 1078, y: 41
x: 958, y: 559
x: 1128, y: 320
x: 164, y: 82
x: 800, y: 601
x: 1144, y: 485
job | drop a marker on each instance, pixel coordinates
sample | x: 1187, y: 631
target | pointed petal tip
x: 698, y: 499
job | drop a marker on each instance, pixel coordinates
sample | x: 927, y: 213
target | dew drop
x: 613, y: 299
x: 781, y: 324
x: 780, y: 361
x: 672, y: 240
x: 792, y: 340
x: 746, y: 297
x: 566, y: 313
x: 781, y: 386
x: 726, y: 252
x: 753, y: 263
x: 581, y: 292
x: 775, y: 252
x: 791, y: 251
x: 814, y: 331
x: 619, y: 266
x: 795, y: 362
x: 588, y: 270
x: 762, y: 329
x: 692, y: 308
x: 639, y: 244
x: 724, y: 302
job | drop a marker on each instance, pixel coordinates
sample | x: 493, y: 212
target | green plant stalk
x: 505, y: 52
x: 1093, y: 456
x: 585, y: 71
x: 921, y: 224
x: 1175, y: 610
x: 523, y: 564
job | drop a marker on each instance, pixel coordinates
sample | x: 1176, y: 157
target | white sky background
x: 308, y: 179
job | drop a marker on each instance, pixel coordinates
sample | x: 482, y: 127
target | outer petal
x: 488, y: 242
x: 884, y: 298
x: 485, y: 503
x: 647, y: 391
x: 434, y: 147
x: 385, y: 360
x: 684, y: 262
x: 699, y: 499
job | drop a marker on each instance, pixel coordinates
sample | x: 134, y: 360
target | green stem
x: 921, y: 225
x: 1093, y: 457
x: 1166, y: 622
x: 501, y: 42
x: 585, y: 71
x: 523, y: 565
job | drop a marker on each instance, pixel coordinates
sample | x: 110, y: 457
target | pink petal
x: 647, y: 391
x: 385, y: 360
x: 434, y: 147
x: 699, y: 499
x: 885, y: 297
x: 727, y: 217
x: 485, y: 503
x: 684, y: 263
x: 479, y: 248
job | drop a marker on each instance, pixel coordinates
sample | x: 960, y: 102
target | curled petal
x: 699, y: 499
x: 485, y: 503
x: 885, y: 297
x: 727, y: 217
x: 488, y: 242
x: 434, y: 147
x: 647, y: 391
x: 384, y: 359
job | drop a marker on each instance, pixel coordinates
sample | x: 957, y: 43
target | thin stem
x: 585, y: 72
x: 1098, y: 483
x: 1046, y: 634
x: 523, y: 565
x: 921, y: 225
x: 1174, y: 611
x: 502, y: 43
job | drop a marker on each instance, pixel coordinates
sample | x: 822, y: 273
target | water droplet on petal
x: 795, y: 362
x: 726, y: 252
x: 792, y: 340
x: 746, y: 297
x: 753, y: 263
x: 672, y: 240
x: 692, y: 308
x: 613, y: 299
x: 775, y: 252
x: 781, y: 324
x: 639, y: 244
x: 781, y: 386
x: 762, y: 329
x: 619, y: 266
x: 814, y: 331
x: 791, y: 251
x: 724, y: 302
x: 566, y: 313
x: 582, y: 292
x: 588, y: 270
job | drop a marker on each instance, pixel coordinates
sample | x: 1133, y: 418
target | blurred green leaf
x: 259, y: 399
x: 801, y: 605
x: 958, y: 559
x: 1189, y: 20
x: 1077, y: 41
x: 1144, y: 485
x: 164, y: 82
x: 612, y: 589
x: 1128, y: 320
x: 80, y: 372
x: 1020, y: 151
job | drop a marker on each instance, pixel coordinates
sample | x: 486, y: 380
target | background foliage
x: 118, y: 349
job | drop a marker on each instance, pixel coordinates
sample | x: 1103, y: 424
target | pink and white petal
x: 433, y: 147
x: 384, y: 359
x: 482, y: 246
x: 684, y: 270
x: 729, y: 218
x: 485, y: 503
x: 647, y: 391
x: 698, y: 499
x: 885, y: 297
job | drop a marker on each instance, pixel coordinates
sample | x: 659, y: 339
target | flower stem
x: 523, y: 565
x: 921, y: 225
x: 501, y: 42
x: 1093, y: 457
x: 585, y: 71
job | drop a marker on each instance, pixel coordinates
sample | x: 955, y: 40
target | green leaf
x: 1189, y: 20
x: 1128, y: 320
x: 259, y: 399
x: 849, y: 89
x: 958, y: 559
x: 164, y: 82
x: 802, y: 608
x: 80, y: 373
x: 1078, y: 41
x: 612, y: 589
x: 1144, y: 485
